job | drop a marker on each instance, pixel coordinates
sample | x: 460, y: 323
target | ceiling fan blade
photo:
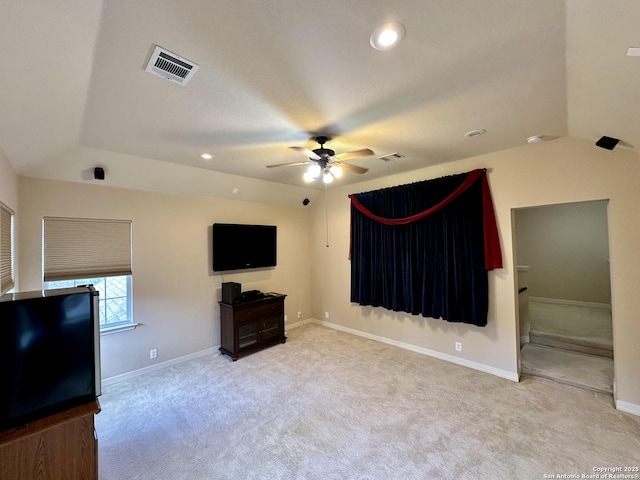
x: 306, y: 152
x: 365, y: 152
x: 352, y: 168
x: 288, y: 164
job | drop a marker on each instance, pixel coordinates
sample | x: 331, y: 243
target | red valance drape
x: 492, y: 251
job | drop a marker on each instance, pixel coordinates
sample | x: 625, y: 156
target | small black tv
x: 237, y: 246
x: 49, y: 353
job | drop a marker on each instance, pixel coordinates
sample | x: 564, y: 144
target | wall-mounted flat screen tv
x: 237, y: 246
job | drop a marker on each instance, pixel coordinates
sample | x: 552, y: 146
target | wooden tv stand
x: 62, y: 446
x: 252, y: 325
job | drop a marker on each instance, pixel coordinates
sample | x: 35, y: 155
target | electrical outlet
x: 326, y: 314
x: 153, y: 353
x: 458, y: 346
x: 299, y: 314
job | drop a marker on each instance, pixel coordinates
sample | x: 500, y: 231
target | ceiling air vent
x: 173, y: 67
x: 391, y: 156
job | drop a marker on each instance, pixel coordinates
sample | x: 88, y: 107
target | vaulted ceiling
x: 75, y: 92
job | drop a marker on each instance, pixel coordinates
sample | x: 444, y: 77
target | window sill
x: 118, y: 329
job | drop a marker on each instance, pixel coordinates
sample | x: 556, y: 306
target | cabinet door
x: 247, y: 334
x: 271, y: 328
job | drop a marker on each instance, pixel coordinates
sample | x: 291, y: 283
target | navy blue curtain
x: 434, y: 267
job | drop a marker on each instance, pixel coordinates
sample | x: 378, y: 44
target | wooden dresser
x: 63, y: 446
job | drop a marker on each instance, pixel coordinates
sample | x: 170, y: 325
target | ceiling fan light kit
x: 329, y: 174
x: 312, y: 172
x: 324, y: 162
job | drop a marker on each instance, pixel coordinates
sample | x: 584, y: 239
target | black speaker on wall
x: 231, y: 292
x: 98, y: 173
x: 608, y: 143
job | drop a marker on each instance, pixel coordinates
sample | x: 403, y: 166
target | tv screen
x: 49, y: 357
x: 237, y: 247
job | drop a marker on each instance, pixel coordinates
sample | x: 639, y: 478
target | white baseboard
x: 289, y: 326
x: 623, y: 406
x: 628, y: 407
x: 158, y: 366
x: 425, y: 351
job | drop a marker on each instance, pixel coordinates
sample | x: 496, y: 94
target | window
x: 80, y: 251
x: 115, y: 298
x: 7, y: 279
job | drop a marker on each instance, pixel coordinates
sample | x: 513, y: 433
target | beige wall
x: 9, y: 196
x: 175, y: 292
x: 8, y: 183
x: 567, y: 248
x: 559, y: 171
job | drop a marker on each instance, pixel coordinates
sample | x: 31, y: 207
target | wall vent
x: 173, y: 67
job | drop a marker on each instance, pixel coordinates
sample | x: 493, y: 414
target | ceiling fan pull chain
x: 326, y: 212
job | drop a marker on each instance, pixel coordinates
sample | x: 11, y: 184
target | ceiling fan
x: 325, y: 162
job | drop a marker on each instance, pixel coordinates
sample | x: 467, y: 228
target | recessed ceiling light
x: 207, y: 156
x: 235, y: 190
x: 535, y: 139
x: 387, y: 36
x: 475, y: 133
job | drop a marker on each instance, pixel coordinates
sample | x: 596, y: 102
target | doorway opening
x: 566, y: 327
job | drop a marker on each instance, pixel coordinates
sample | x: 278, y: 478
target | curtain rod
x: 485, y: 170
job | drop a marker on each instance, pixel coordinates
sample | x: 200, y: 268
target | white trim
x: 158, y: 366
x: 425, y: 351
x: 289, y: 326
x: 628, y: 407
x: 169, y: 363
x: 576, y: 303
x: 120, y: 328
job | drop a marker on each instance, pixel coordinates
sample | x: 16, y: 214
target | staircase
x: 593, y: 346
x: 574, y: 348
x: 590, y: 372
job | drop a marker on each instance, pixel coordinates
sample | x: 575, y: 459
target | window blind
x: 6, y: 249
x: 83, y: 248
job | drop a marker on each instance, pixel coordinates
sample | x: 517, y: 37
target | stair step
x: 599, y: 347
x: 590, y: 372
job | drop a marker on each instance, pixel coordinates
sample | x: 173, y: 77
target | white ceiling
x: 276, y: 74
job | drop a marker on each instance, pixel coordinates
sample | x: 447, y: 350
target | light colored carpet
x: 572, y: 368
x: 330, y: 405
